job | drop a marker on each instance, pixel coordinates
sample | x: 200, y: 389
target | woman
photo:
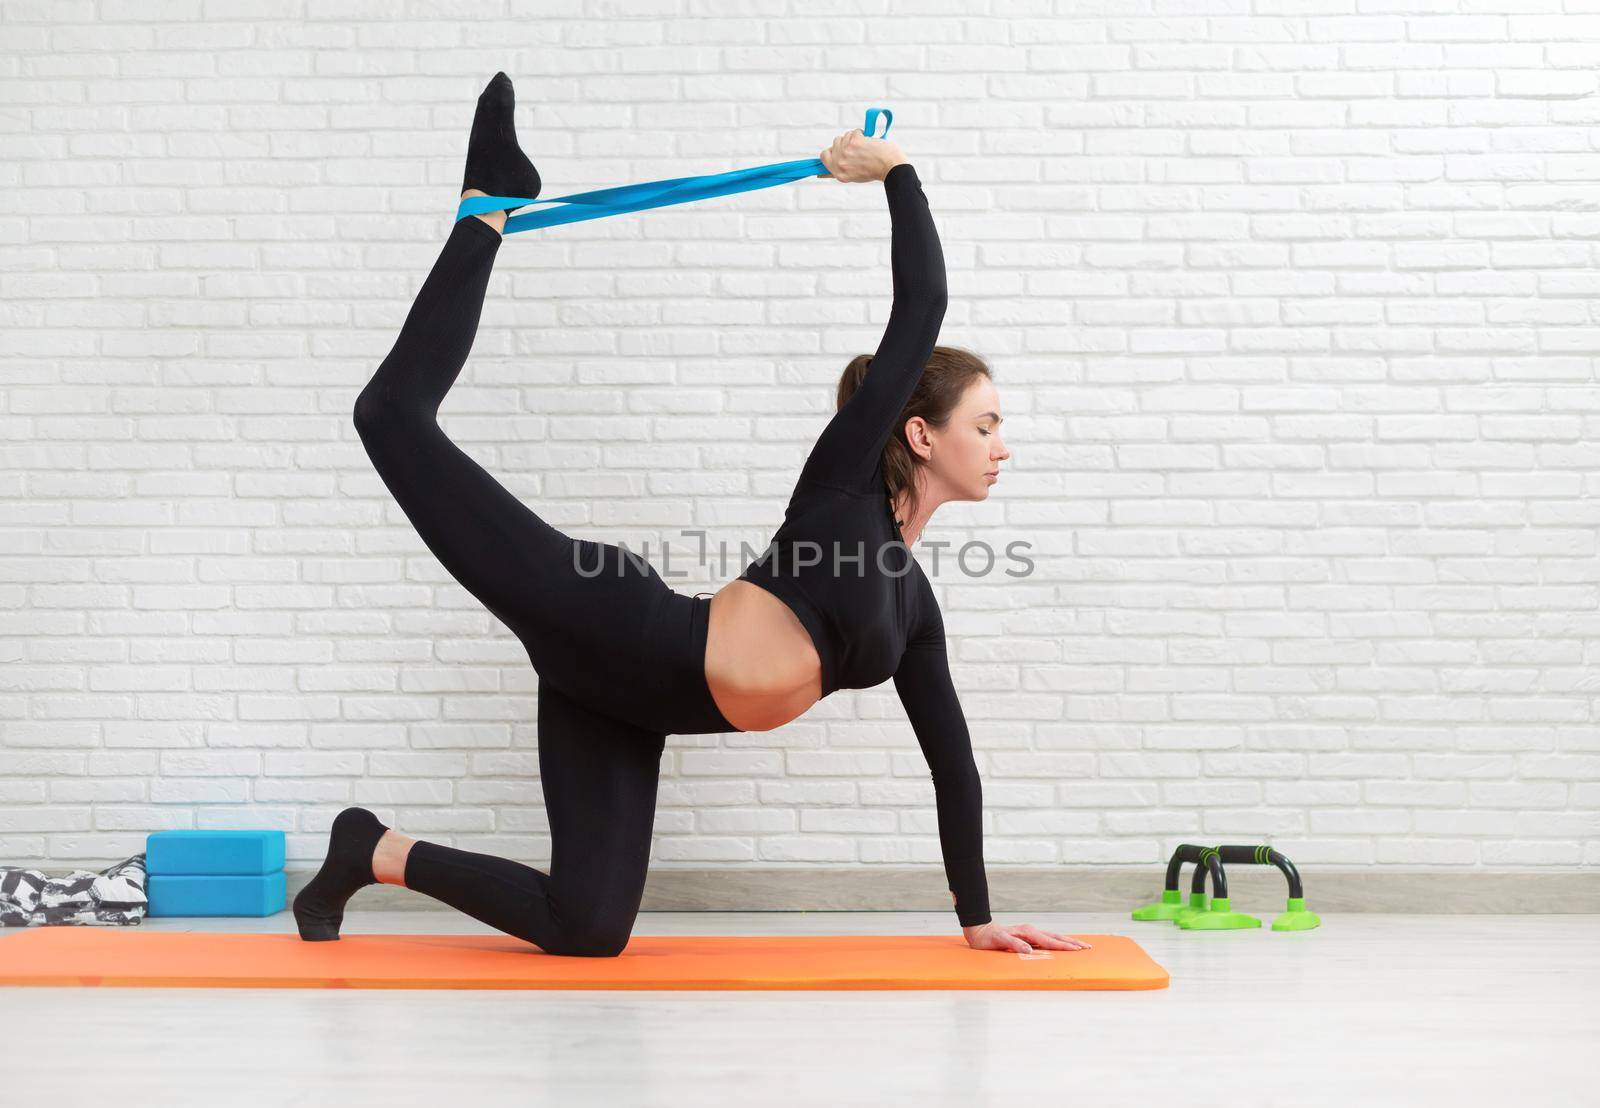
x: 624, y: 660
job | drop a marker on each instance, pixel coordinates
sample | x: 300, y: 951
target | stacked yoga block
x: 215, y: 873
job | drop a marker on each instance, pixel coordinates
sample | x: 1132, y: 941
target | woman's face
x: 965, y: 456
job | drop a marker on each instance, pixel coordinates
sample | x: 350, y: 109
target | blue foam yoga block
x: 194, y: 853
x: 243, y: 895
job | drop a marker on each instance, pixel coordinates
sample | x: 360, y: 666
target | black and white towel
x: 114, y: 896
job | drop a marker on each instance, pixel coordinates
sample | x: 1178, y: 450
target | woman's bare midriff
x: 761, y: 666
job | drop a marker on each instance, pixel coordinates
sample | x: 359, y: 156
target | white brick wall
x: 1294, y: 317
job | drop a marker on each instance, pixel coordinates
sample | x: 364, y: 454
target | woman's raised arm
x: 846, y: 454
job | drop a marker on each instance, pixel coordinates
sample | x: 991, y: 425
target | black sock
x: 495, y: 163
x: 319, y: 908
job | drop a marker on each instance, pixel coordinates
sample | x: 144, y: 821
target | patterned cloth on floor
x: 114, y: 896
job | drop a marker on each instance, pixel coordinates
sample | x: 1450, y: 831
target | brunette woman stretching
x: 836, y: 601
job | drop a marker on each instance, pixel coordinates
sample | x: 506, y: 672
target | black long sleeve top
x: 840, y: 562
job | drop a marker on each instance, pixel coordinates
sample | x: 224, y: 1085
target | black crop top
x: 840, y: 562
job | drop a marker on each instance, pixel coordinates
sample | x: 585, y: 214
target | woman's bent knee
x: 594, y: 941
x: 371, y: 411
x: 382, y: 421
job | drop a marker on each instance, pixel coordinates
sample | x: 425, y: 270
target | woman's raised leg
x: 582, y: 609
x: 478, y: 530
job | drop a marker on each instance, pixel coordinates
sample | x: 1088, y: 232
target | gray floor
x: 1378, y: 1008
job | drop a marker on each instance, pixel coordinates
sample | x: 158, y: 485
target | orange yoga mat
x: 76, y: 955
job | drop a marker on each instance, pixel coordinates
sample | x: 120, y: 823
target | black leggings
x: 620, y: 654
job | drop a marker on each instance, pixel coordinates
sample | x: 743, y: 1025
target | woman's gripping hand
x: 855, y: 157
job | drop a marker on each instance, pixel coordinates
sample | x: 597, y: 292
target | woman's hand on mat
x: 855, y: 157
x: 1020, y: 939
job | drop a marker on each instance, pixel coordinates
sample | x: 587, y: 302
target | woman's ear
x: 919, y: 438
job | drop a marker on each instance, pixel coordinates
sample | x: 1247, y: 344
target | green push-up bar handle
x: 1295, y: 917
x: 621, y: 199
x: 1263, y: 856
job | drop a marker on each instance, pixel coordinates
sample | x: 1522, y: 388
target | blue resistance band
x: 654, y: 194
